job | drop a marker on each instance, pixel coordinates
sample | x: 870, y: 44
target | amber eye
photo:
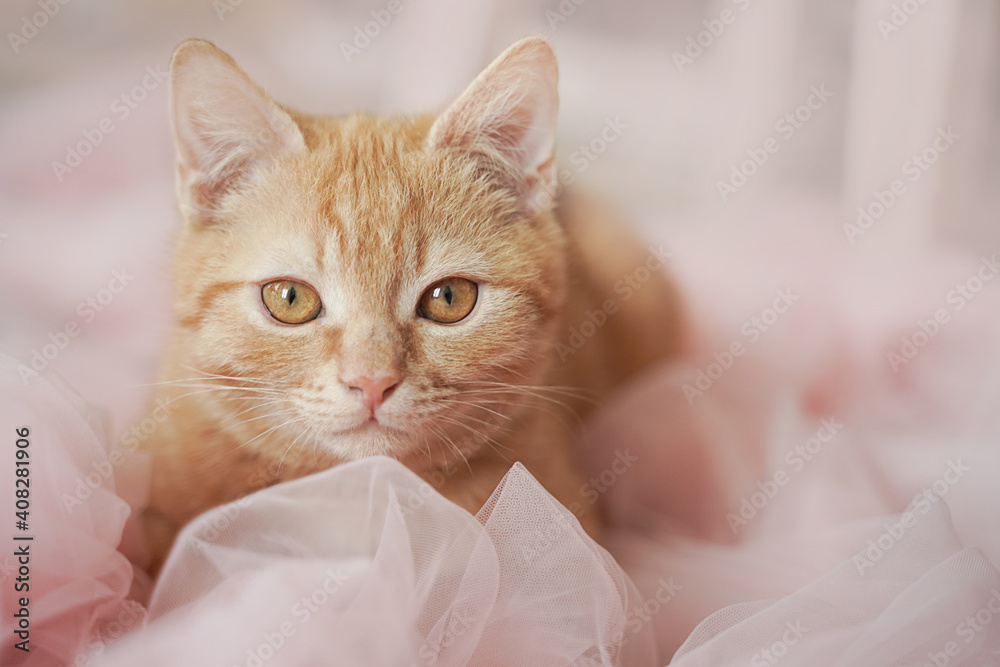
x: 448, y: 301
x: 291, y: 302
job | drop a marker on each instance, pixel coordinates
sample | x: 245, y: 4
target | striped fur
x: 370, y: 212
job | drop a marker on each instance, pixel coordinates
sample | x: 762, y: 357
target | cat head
x: 363, y: 285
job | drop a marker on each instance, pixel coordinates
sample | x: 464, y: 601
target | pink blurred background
x: 684, y: 128
x: 886, y: 80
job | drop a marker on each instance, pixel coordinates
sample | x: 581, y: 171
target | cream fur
x: 369, y: 212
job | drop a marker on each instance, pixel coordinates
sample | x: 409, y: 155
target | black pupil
x: 444, y: 292
x: 290, y: 295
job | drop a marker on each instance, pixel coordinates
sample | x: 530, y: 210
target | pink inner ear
x: 509, y: 109
x: 223, y: 124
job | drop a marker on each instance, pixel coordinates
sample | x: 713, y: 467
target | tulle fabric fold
x: 921, y: 600
x: 362, y: 564
x: 77, y: 581
x: 365, y: 564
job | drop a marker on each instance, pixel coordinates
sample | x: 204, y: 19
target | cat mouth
x: 370, y: 425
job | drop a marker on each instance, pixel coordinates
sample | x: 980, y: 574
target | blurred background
x: 846, y: 151
x: 695, y: 115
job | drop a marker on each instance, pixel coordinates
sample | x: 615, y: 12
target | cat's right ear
x: 508, y: 116
x: 224, y: 126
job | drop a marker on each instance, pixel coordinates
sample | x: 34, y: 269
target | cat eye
x: 291, y: 302
x: 448, y: 301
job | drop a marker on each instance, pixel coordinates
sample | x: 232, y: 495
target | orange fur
x: 369, y: 212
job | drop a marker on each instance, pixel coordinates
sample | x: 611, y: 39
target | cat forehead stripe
x: 206, y: 301
x: 371, y: 213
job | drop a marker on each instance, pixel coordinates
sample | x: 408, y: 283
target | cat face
x: 359, y: 285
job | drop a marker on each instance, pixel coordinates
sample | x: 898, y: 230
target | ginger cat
x: 357, y: 286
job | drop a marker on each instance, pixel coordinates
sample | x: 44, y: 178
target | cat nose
x: 375, y: 389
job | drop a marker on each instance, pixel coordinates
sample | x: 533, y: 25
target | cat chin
x: 362, y: 442
x: 381, y: 441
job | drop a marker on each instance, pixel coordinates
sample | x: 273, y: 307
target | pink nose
x: 374, y: 389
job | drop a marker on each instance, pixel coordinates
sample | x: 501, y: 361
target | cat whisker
x: 512, y: 371
x: 479, y: 435
x: 212, y: 382
x: 474, y: 405
x: 282, y: 460
x: 479, y: 432
x: 249, y: 390
x: 538, y: 393
x: 501, y: 383
x: 269, y: 414
x: 571, y: 392
x: 231, y: 377
x: 208, y: 382
x: 513, y: 392
x: 271, y: 430
x: 509, y: 399
x: 444, y: 436
x: 507, y: 395
x: 427, y: 444
x: 228, y: 398
x: 259, y: 406
x: 219, y: 393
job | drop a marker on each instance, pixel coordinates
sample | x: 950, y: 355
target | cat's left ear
x: 224, y: 126
x: 509, y: 112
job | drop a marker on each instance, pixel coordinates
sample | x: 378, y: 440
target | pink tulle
x: 729, y: 565
x: 362, y: 564
x: 78, y: 581
x: 879, y: 548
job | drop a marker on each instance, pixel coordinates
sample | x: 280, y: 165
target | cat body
x: 358, y: 286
